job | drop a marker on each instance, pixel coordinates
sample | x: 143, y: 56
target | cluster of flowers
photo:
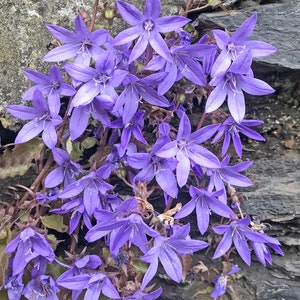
x: 116, y: 85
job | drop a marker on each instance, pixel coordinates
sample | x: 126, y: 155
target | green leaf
x: 140, y: 267
x: 55, y: 222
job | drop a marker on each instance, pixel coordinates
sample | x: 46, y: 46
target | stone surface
x: 278, y: 24
x: 24, y: 39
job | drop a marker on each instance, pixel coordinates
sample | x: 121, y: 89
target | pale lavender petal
x: 61, y: 53
x: 61, y: 33
x: 184, y: 129
x: 159, y: 45
x: 23, y: 112
x: 54, y: 178
x: 79, y: 121
x: 242, y: 248
x: 127, y: 35
x: 186, y: 210
x: 130, y: 13
x: 224, y: 245
x: 171, y: 264
x: 183, y: 168
x: 86, y: 94
x: 167, y: 181
x: 28, y: 132
x: 255, y: 86
x: 36, y: 77
x: 221, y: 65
x: 79, y: 72
x: 203, y: 215
x: 91, y: 199
x: 150, y: 273
x: 170, y: 23
x: 259, y: 48
x: 237, y: 143
x: 222, y: 38
x: 236, y: 105
x: 49, y: 135
x: 169, y: 150
x: 138, y: 49
x: 245, y: 30
x: 215, y: 99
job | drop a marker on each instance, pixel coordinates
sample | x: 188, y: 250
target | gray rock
x: 278, y: 24
x: 24, y: 39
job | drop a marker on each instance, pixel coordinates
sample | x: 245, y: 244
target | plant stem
x: 95, y: 8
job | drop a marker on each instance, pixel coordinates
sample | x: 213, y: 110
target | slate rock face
x: 278, y: 24
x: 24, y: 39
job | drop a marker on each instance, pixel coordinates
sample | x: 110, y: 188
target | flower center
x: 181, y: 144
x: 102, y: 78
x: 234, y: 50
x: 55, y: 84
x: 230, y: 82
x: 148, y: 25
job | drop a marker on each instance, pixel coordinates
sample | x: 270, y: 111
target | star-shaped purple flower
x: 232, y: 83
x: 204, y: 202
x: 51, y: 85
x: 186, y: 149
x: 239, y: 233
x: 228, y: 174
x: 166, y: 250
x: 101, y: 80
x: 232, y: 46
x: 42, y: 117
x: 66, y: 172
x: 232, y: 130
x: 83, y: 45
x: 28, y: 245
x: 147, y: 28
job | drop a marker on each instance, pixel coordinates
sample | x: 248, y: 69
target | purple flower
x: 221, y: 282
x: 66, y: 171
x: 228, y: 174
x: 45, y: 198
x: 28, y: 245
x: 83, y: 45
x: 186, y: 149
x: 155, y: 166
x: 232, y: 83
x: 100, y: 80
x: 76, y: 206
x: 166, y: 250
x: 140, y: 295
x: 92, y: 185
x: 134, y: 127
x: 185, y: 62
x: 51, y: 85
x: 124, y: 225
x: 231, y: 130
x: 147, y: 28
x: 14, y: 286
x: 239, y: 233
x: 233, y: 46
x: 42, y: 117
x: 204, y: 202
x: 83, y: 266
x: 98, y: 108
x: 42, y: 288
x: 95, y: 283
x: 129, y: 99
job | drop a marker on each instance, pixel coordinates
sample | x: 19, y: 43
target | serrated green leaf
x: 54, y: 222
